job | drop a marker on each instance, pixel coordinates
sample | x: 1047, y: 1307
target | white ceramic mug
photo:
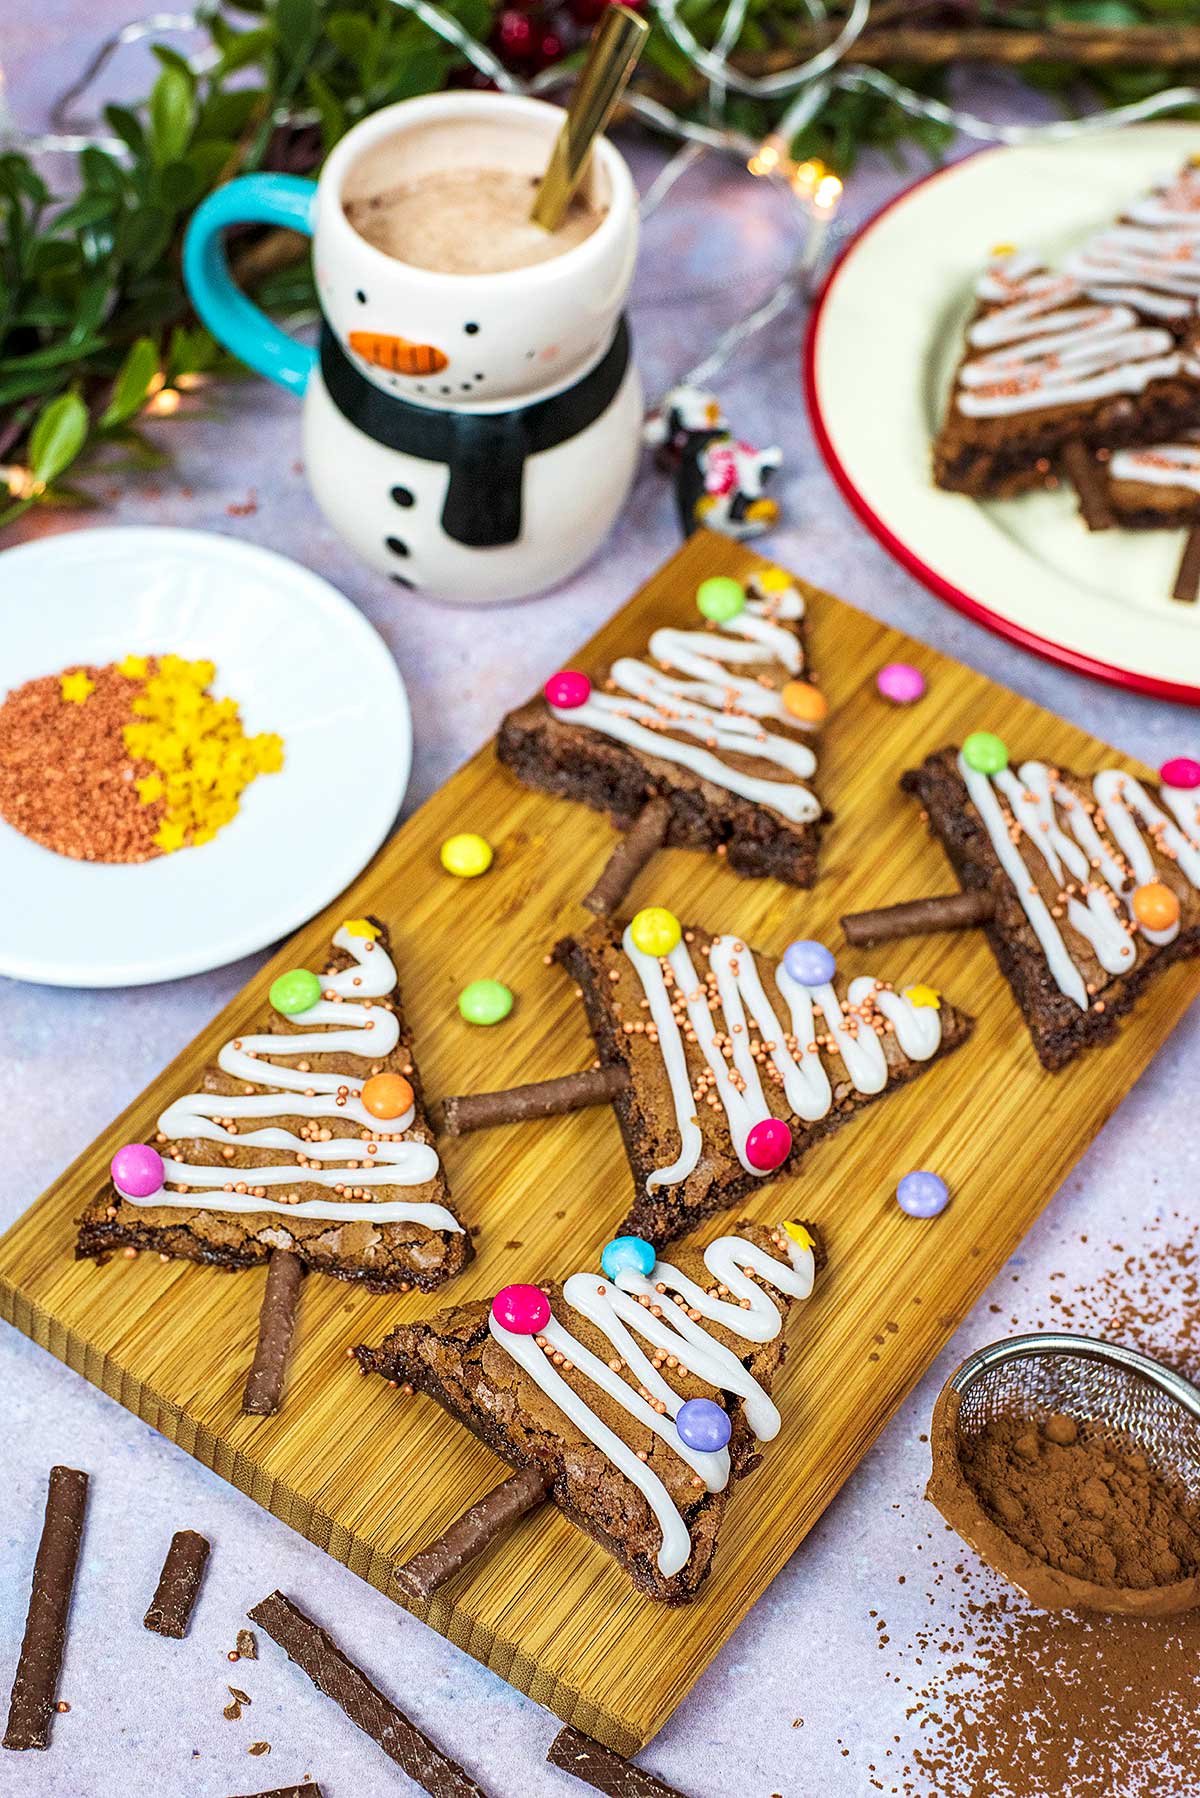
x: 470, y: 436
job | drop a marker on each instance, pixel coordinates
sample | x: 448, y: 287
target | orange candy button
x: 805, y: 702
x: 387, y: 1095
x: 1155, y: 906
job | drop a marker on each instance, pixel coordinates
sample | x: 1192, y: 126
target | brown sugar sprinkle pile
x: 66, y: 777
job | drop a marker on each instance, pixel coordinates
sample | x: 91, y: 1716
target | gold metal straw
x: 615, y: 47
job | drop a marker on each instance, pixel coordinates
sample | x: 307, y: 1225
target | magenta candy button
x: 137, y: 1170
x: 1180, y: 771
x: 522, y: 1309
x: 568, y: 689
x: 768, y: 1145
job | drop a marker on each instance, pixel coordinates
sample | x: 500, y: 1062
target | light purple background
x: 146, y: 1713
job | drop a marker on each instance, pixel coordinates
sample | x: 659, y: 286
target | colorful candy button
x: 522, y: 1309
x: 295, y: 992
x: 628, y: 1255
x: 900, y: 682
x: 806, y: 703
x: 772, y: 580
x: 466, y: 855
x: 655, y: 930
x: 703, y: 1425
x: 567, y: 689
x: 485, y: 1002
x: 137, y: 1170
x: 1155, y: 906
x: 768, y: 1145
x: 1180, y: 771
x: 809, y: 963
x: 984, y: 752
x: 387, y: 1095
x: 922, y: 1193
x: 720, y: 598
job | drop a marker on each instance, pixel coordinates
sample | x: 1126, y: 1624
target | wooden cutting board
x: 370, y: 1475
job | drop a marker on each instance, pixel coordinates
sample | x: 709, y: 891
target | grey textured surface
x: 145, y: 1712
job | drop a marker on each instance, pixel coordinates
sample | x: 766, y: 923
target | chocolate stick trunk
x: 178, y: 1585
x: 916, y: 917
x: 600, y: 1767
x: 1187, y: 581
x: 276, y: 1322
x: 36, y: 1681
x: 542, y: 1099
x: 1090, y: 483
x: 630, y: 856
x: 471, y: 1533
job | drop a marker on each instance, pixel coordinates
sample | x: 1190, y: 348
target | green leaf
x: 172, y: 112
x: 351, y: 33
x: 101, y: 172
x: 10, y: 514
x: 246, y: 48
x: 129, y: 389
x: 190, y: 352
x: 128, y: 128
x: 57, y: 437
x: 330, y: 110
x: 296, y: 21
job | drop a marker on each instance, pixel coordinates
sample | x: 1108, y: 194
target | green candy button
x: 485, y: 1002
x: 984, y: 752
x: 720, y: 598
x: 295, y: 991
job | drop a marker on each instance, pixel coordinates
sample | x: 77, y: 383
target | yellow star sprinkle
x: 134, y: 667
x: 169, y: 836
x: 774, y: 580
x: 924, y: 995
x: 1004, y: 249
x: 76, y: 687
x: 799, y: 1234
x: 150, y: 788
x: 360, y: 927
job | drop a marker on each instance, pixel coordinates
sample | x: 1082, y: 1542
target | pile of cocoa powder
x: 1082, y: 1504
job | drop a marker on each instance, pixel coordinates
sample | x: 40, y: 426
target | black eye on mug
x: 361, y: 297
x: 471, y: 330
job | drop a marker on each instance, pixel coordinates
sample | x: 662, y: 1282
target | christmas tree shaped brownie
x: 628, y: 1397
x: 716, y: 1063
x: 307, y: 1146
x: 1086, y: 885
x: 704, y: 742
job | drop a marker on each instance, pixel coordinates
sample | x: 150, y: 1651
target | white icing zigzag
x: 614, y: 1307
x: 699, y: 695
x: 1160, y: 465
x: 311, y: 1095
x: 792, y: 1050
x: 1098, y: 909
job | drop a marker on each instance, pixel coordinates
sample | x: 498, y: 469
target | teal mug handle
x: 234, y: 320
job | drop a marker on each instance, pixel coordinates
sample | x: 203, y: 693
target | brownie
x: 1060, y: 1027
x: 1143, y: 493
x: 613, y: 995
x: 454, y: 1358
x: 555, y: 752
x: 383, y: 1258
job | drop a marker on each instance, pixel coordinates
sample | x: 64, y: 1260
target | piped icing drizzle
x: 351, y: 1023
x: 1097, y: 853
x: 635, y: 1304
x: 1159, y: 465
x: 680, y: 999
x: 692, y: 688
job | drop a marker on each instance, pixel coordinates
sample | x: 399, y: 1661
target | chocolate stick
x: 276, y: 1321
x: 171, y: 1607
x: 916, y: 917
x: 1090, y: 484
x: 542, y: 1099
x: 600, y: 1767
x: 1187, y: 581
x: 310, y: 1790
x: 640, y: 842
x: 32, y: 1704
x: 318, y: 1655
x: 471, y: 1533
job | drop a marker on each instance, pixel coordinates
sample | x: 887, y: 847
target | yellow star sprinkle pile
x: 76, y: 687
x: 924, y: 995
x: 203, y: 758
x: 360, y: 927
x: 799, y: 1234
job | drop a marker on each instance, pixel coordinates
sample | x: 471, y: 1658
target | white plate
x: 298, y: 658
x: 882, y: 344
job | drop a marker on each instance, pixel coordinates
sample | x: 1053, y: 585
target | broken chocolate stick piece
x: 600, y: 1767
x: 36, y: 1683
x: 309, y: 1790
x: 318, y: 1655
x: 541, y: 1099
x: 1187, y: 581
x: 276, y: 1323
x: 648, y: 834
x: 471, y: 1533
x: 178, y: 1585
x: 1090, y: 483
x: 918, y: 917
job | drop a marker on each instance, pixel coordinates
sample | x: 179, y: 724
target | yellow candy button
x: 655, y: 931
x: 773, y: 580
x: 466, y: 855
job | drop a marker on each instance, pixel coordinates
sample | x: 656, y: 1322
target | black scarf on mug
x: 484, y: 451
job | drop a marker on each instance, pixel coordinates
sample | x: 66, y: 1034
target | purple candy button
x: 137, y: 1170
x: 702, y: 1425
x: 923, y: 1194
x: 900, y: 682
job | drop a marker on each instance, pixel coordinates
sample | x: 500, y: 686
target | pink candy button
x: 568, y: 689
x: 900, y: 682
x: 768, y: 1145
x: 1180, y: 771
x: 137, y: 1170
x: 522, y: 1309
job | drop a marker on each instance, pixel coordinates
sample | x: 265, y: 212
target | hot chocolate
x: 466, y: 221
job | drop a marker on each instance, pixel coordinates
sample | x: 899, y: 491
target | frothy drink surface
x: 466, y: 222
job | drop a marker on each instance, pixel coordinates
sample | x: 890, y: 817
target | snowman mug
x: 471, y: 436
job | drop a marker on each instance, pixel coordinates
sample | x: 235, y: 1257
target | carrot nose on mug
x: 763, y: 511
x: 399, y: 354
